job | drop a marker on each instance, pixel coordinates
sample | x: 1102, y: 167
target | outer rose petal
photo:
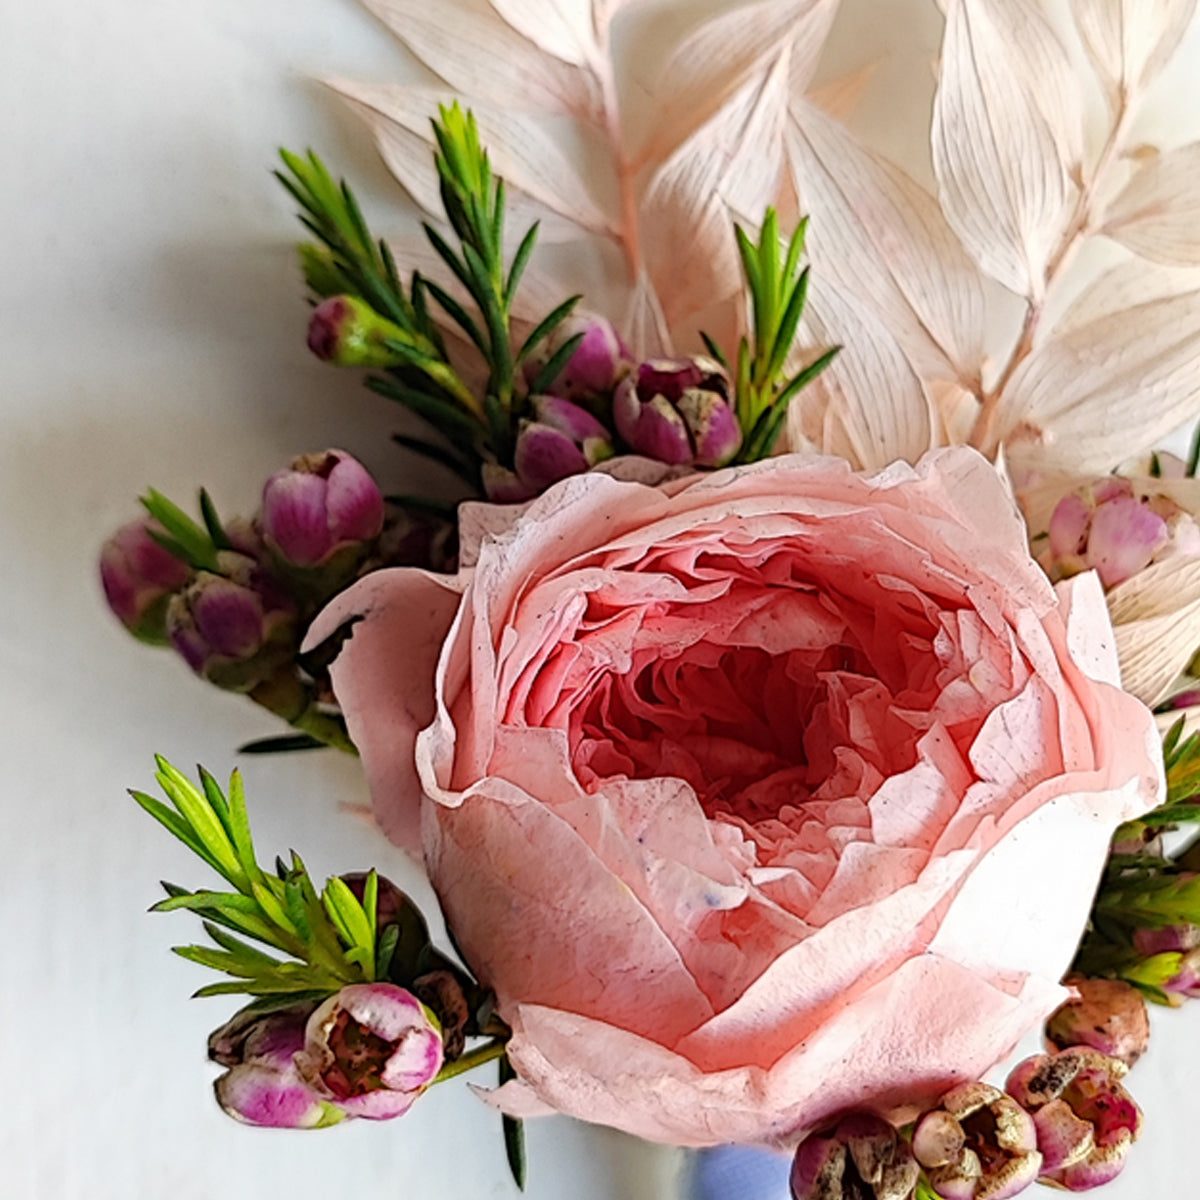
x: 383, y: 678
x: 909, y: 1039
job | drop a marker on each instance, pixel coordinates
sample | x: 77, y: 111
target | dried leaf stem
x: 601, y: 66
x: 1079, y: 228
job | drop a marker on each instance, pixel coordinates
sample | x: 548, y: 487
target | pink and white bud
x: 861, y: 1158
x: 320, y: 505
x: 348, y: 332
x: 678, y: 411
x: 1086, y: 1121
x: 562, y: 440
x: 234, y: 629
x: 1118, y: 531
x: 977, y: 1143
x: 262, y: 1085
x: 139, y: 577
x: 599, y: 363
x: 372, y: 1050
x: 1106, y: 1014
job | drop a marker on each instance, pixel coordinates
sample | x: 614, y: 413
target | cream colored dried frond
x: 655, y: 161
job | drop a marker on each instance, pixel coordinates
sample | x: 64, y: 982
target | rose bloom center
x: 785, y: 681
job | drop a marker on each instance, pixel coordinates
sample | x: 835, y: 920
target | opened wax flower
x: 748, y: 794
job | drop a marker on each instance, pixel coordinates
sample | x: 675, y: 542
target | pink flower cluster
x: 368, y: 1051
x: 1064, y: 1119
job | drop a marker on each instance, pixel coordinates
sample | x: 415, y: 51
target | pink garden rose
x: 759, y: 796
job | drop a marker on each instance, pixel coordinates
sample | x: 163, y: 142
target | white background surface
x: 151, y: 332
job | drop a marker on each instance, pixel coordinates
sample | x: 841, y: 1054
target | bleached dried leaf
x: 1109, y: 389
x: 868, y: 406
x: 1049, y: 74
x: 735, y: 162
x: 479, y: 54
x: 1158, y: 213
x: 1130, y: 41
x: 1191, y: 720
x: 1001, y: 181
x: 841, y: 97
x: 712, y: 66
x: 879, y: 234
x: 1156, y: 615
x: 563, y: 28
x: 1126, y: 285
x: 522, y: 153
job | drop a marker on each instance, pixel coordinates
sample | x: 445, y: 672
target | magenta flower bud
x: 348, y: 332
x: 320, y: 505
x: 1109, y: 527
x: 233, y: 629
x: 677, y: 411
x: 562, y: 440
x: 978, y: 1144
x: 262, y: 1085
x: 596, y: 367
x: 1086, y: 1121
x: 372, y: 1050
x: 1107, y: 1014
x: 861, y: 1158
x: 1170, y: 939
x: 139, y: 577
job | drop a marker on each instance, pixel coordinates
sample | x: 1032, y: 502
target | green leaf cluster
x: 194, y: 544
x: 326, y: 940
x: 347, y: 259
x: 778, y: 289
x: 1149, y: 890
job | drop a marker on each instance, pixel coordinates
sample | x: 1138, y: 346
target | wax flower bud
x: 234, y: 629
x: 322, y: 505
x: 348, y: 332
x: 600, y: 360
x: 139, y: 577
x: 1107, y: 1014
x: 1086, y: 1121
x: 861, y: 1158
x: 559, y: 439
x: 262, y: 1085
x: 978, y: 1144
x: 678, y: 411
x: 1110, y: 527
x: 372, y: 1049
x: 1173, y: 972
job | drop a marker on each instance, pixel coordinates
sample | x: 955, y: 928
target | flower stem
x: 610, y: 121
x: 1078, y: 229
x: 288, y: 697
x: 486, y: 1053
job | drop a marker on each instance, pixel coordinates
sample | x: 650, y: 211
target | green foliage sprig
x: 1150, y: 889
x: 330, y: 938
x: 348, y: 259
x: 778, y: 289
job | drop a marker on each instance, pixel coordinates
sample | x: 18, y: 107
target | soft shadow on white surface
x: 151, y: 332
